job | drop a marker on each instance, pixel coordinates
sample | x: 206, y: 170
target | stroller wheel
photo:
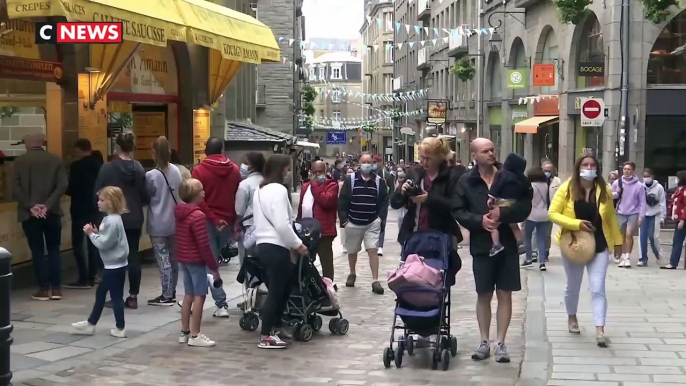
x: 252, y: 321
x: 387, y: 357
x: 241, y: 322
x: 316, y: 322
x: 410, y: 345
x: 399, y: 358
x: 453, y: 345
x: 445, y: 360
x: 305, y: 333
x: 342, y: 327
x: 435, y: 358
x: 332, y: 325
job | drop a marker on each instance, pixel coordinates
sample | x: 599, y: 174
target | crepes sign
x: 436, y: 111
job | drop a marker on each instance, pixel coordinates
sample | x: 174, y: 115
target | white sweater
x: 273, y: 217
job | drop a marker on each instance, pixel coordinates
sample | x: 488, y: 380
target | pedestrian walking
x: 40, y: 180
x: 380, y: 170
x: 677, y: 212
x: 163, y: 189
x: 275, y: 238
x: 319, y: 200
x: 631, y: 209
x: 110, y: 239
x: 84, y: 210
x: 251, y: 172
x: 656, y: 211
x: 347, y: 172
x: 554, y: 183
x: 584, y: 203
x: 196, y: 261
x: 499, y: 273
x: 129, y: 176
x: 538, y: 220
x: 362, y: 205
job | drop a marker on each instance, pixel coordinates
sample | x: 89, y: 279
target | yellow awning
x: 235, y: 35
x: 530, y: 126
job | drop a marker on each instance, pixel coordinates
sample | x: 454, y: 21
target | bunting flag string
x: 535, y: 98
x: 375, y: 118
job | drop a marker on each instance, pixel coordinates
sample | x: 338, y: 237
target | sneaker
x: 527, y: 263
x: 534, y: 256
x: 271, y: 342
x: 221, y: 312
x: 379, y: 251
x: 184, y: 337
x: 482, y: 352
x: 161, y: 301
x: 377, y: 288
x: 56, y: 294
x: 201, y: 341
x: 625, y: 263
x: 542, y: 267
x: 501, y: 355
x: 521, y: 248
x: 117, y: 333
x: 497, y: 248
x: 642, y: 264
x: 82, y: 285
x: 284, y: 336
x: 131, y: 303
x: 41, y: 295
x: 180, y: 304
x: 616, y: 260
x: 351, y: 280
x: 83, y: 328
x: 345, y: 251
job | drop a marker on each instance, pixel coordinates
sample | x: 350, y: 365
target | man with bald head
x: 498, y: 273
x: 40, y: 180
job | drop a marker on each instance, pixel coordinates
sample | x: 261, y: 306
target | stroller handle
x: 242, y: 221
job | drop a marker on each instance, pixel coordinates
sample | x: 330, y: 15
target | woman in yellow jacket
x: 584, y: 203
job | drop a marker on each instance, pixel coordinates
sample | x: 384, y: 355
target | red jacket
x: 192, y: 239
x: 325, y: 206
x: 677, y: 205
x: 220, y: 178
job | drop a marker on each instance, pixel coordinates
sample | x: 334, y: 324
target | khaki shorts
x: 355, y: 235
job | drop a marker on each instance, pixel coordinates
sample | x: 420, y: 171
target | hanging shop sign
x: 544, y: 75
x: 591, y: 69
x: 17, y: 38
x: 436, y: 111
x: 336, y: 137
x: 29, y: 69
x: 516, y: 79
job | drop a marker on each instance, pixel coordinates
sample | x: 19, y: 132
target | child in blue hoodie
x: 110, y: 239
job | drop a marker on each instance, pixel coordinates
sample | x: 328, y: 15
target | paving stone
x: 28, y: 348
x: 655, y: 370
x: 59, y: 353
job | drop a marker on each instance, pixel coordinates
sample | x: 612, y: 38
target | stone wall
x: 15, y: 123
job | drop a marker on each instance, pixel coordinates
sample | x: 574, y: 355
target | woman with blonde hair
x: 584, y: 203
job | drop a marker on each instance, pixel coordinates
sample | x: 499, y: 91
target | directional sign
x: 335, y: 137
x: 592, y: 112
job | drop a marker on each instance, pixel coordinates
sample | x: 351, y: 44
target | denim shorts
x: 194, y: 279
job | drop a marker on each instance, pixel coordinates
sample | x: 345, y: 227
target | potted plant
x: 572, y: 11
x: 308, y: 96
x: 656, y: 10
x: 464, y: 70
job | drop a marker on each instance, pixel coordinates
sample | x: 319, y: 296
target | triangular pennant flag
x: 407, y: 28
x: 434, y: 41
x: 491, y: 31
x: 376, y: 47
x: 436, y: 31
x: 445, y: 39
x: 426, y: 31
x: 379, y: 21
x: 400, y: 46
x: 422, y: 42
x: 417, y: 29
x: 411, y: 44
x: 290, y: 42
x: 397, y: 27
x: 281, y: 39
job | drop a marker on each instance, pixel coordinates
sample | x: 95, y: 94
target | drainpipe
x: 481, y: 74
x: 624, y: 123
x: 392, y: 120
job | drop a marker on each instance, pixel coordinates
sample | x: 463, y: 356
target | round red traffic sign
x: 591, y: 109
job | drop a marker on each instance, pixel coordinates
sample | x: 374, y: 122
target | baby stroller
x: 426, y: 322
x: 310, y: 297
x: 254, y: 287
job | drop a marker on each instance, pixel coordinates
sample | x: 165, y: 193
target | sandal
x: 574, y: 328
x: 668, y: 266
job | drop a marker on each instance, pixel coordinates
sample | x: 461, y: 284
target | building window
x: 313, y: 74
x: 388, y: 21
x: 336, y: 96
x: 388, y: 83
x: 518, y: 54
x: 495, y: 75
x: 336, y: 116
x: 591, y: 51
x: 388, y: 47
x: 336, y: 73
x: 321, y: 73
x: 550, y: 54
x: 667, y: 60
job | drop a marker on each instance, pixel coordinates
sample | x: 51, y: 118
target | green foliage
x: 308, y: 93
x: 656, y: 10
x: 369, y: 127
x: 464, y: 70
x: 572, y: 11
x: 308, y: 108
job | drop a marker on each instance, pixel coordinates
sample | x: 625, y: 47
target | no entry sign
x: 592, y: 112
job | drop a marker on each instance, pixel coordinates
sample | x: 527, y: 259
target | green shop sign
x: 516, y: 79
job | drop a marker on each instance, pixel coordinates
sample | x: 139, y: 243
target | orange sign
x: 544, y: 75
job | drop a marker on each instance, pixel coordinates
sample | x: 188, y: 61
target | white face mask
x: 588, y: 174
x: 648, y: 180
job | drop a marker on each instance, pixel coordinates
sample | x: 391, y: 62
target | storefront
x: 544, y: 128
x: 519, y: 114
x: 101, y: 90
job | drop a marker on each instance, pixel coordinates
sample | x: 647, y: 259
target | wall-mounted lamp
x: 92, y: 99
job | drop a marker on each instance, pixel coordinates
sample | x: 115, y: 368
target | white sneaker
x: 117, y: 333
x: 625, y: 263
x: 380, y: 251
x: 83, y: 328
x: 345, y: 251
x: 201, y: 341
x: 616, y: 260
x: 221, y: 312
x: 183, y: 338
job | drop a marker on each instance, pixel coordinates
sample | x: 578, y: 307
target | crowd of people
x: 191, y: 215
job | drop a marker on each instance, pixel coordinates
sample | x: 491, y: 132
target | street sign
x: 335, y: 137
x: 592, y: 112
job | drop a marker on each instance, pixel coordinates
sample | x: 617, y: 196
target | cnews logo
x: 93, y: 32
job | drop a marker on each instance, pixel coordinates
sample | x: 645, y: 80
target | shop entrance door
x: 149, y: 123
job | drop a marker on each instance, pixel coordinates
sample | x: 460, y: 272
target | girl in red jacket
x: 195, y: 258
x: 677, y: 212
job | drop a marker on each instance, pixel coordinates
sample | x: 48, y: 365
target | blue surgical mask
x: 588, y: 174
x: 244, y: 170
x: 321, y: 178
x: 548, y: 174
x: 366, y: 168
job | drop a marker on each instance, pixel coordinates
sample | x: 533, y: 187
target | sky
x: 333, y: 18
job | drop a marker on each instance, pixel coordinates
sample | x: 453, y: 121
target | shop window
x: 588, y: 140
x: 664, y: 148
x: 591, y: 50
x: 496, y: 85
x: 667, y: 62
x: 548, y: 55
x: 496, y: 138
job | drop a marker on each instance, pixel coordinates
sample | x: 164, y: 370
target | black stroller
x: 435, y: 247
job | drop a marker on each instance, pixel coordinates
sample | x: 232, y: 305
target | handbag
x: 578, y: 247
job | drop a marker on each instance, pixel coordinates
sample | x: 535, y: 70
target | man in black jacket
x: 499, y: 273
x: 84, y: 210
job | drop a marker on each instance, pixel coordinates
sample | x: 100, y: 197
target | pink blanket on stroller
x: 415, y: 273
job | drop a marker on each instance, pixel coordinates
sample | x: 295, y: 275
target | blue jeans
x: 218, y: 239
x: 543, y: 230
x: 677, y: 245
x: 648, y: 234
x: 112, y: 282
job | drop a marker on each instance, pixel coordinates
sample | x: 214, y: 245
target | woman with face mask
x: 584, y: 203
x: 677, y: 212
x: 656, y: 211
x: 251, y: 172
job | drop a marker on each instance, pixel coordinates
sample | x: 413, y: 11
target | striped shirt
x: 363, y: 200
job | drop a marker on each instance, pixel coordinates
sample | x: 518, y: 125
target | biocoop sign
x: 592, y: 112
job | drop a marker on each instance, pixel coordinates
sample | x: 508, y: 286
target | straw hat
x: 577, y: 247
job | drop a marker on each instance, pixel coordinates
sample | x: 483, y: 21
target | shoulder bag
x: 166, y: 181
x: 578, y: 247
